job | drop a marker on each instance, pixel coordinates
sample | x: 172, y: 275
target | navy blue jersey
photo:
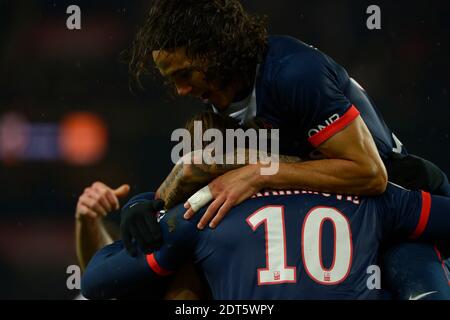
x: 293, y: 244
x: 279, y: 245
x: 309, y: 97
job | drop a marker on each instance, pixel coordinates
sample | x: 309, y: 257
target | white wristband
x: 200, y: 198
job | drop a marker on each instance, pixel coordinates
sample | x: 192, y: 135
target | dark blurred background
x: 68, y: 118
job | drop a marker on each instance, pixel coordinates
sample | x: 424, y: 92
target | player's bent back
x: 285, y: 245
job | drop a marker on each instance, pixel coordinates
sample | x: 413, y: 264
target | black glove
x: 138, y: 221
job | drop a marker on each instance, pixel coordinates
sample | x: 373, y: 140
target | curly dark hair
x: 231, y: 40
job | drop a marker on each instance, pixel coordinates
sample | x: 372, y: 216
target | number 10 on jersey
x: 277, y: 271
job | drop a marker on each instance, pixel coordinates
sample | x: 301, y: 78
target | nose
x: 184, y: 90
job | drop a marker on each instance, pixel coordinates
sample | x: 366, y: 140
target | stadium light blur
x: 83, y: 138
x: 80, y: 139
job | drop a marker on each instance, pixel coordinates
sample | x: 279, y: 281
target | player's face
x: 189, y: 78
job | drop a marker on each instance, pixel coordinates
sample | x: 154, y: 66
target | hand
x: 138, y: 221
x: 228, y: 190
x: 99, y: 200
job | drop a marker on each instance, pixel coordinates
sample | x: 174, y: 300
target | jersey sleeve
x: 416, y: 214
x: 309, y: 86
x: 113, y: 273
x: 140, y: 197
x: 180, y: 241
x: 405, y: 213
x: 436, y: 224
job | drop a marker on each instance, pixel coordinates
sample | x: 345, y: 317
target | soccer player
x: 92, y: 234
x: 429, y: 278
x: 289, y: 244
x: 217, y: 52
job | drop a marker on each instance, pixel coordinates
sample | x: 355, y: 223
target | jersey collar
x: 243, y: 110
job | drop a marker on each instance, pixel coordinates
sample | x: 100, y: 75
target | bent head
x: 189, y: 77
x: 208, y: 49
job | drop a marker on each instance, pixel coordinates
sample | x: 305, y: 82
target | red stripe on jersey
x: 424, y: 215
x: 156, y: 267
x: 325, y: 134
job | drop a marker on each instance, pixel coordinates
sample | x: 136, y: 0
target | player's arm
x: 307, y: 94
x: 96, y: 202
x: 307, y: 89
x: 189, y: 176
x: 113, y: 273
x: 415, y: 214
x: 91, y: 235
x: 437, y: 225
x: 353, y: 166
x: 431, y: 223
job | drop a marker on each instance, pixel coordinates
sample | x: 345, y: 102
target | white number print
x: 276, y: 270
x: 312, y: 246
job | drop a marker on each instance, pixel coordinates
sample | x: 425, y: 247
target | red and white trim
x: 154, y: 265
x: 338, y: 125
x: 424, y: 215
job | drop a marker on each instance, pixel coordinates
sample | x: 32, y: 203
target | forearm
x: 175, y: 187
x: 328, y: 175
x: 185, y: 179
x: 90, y: 236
